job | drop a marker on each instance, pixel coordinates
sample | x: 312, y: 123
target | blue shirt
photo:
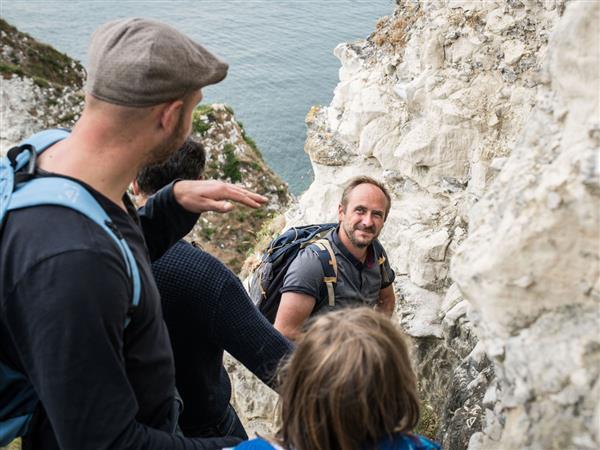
x: 399, y: 441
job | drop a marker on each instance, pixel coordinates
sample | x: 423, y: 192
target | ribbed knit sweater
x: 207, y: 311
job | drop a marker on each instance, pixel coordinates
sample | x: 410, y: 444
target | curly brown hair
x: 348, y: 384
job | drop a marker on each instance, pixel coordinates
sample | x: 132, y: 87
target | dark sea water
x: 279, y: 52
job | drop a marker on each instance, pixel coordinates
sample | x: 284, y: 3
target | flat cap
x: 140, y: 62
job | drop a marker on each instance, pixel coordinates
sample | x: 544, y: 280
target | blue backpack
x: 19, y: 189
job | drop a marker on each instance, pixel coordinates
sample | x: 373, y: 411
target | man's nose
x: 367, y: 220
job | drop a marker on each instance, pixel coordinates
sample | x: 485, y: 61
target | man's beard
x: 357, y: 243
x: 170, y: 145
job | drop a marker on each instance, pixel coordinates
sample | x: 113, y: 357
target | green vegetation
x: 256, y: 166
x: 252, y: 145
x: 51, y: 101
x: 261, y: 213
x: 208, y: 231
x: 244, y: 247
x: 205, y: 110
x: 265, y: 234
x: 213, y: 170
x: 10, y: 69
x: 241, y: 216
x: 428, y: 422
x: 231, y: 168
x: 24, y: 56
x: 248, y: 139
x: 202, y: 119
x: 41, y: 82
x: 200, y: 126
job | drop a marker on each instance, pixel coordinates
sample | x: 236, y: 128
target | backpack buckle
x: 28, y: 172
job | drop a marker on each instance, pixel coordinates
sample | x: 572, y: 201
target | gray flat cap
x: 139, y: 62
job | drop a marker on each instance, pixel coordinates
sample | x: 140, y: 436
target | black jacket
x: 64, y: 298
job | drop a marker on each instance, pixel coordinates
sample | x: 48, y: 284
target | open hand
x: 211, y: 195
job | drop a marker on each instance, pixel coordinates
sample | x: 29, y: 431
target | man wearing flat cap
x: 103, y: 371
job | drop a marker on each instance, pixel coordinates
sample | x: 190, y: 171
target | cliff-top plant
x: 24, y: 56
x: 231, y: 168
x: 202, y: 119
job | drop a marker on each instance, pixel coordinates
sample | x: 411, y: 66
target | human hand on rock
x: 211, y: 195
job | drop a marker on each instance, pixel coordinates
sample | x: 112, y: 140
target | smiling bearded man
x: 364, y: 276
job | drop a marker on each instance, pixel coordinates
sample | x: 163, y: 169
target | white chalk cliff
x: 483, y: 119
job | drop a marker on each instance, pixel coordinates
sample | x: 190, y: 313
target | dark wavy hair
x: 187, y: 163
x: 348, y: 384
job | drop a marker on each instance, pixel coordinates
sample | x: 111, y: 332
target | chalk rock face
x: 530, y: 264
x: 482, y: 119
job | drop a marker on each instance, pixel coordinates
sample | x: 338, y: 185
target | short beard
x: 358, y: 244
x: 162, y: 152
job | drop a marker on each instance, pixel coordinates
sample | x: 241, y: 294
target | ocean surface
x: 279, y: 52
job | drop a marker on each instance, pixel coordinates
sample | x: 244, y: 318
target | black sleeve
x: 246, y: 334
x: 164, y: 221
x: 66, y: 317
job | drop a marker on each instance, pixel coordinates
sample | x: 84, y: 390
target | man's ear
x: 340, y: 212
x: 135, y: 188
x: 170, y: 114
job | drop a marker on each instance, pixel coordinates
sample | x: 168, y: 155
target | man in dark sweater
x: 65, y: 291
x: 207, y: 311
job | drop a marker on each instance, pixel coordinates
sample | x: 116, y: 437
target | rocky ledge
x: 40, y: 87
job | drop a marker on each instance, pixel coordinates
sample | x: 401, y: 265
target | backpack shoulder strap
x: 7, y: 182
x: 20, y: 155
x: 70, y: 194
x: 379, y: 253
x: 330, y: 269
x: 38, y: 142
x: 44, y: 139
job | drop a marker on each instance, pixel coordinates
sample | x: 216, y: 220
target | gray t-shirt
x: 357, y: 283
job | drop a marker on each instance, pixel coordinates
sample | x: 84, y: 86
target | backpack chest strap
x: 330, y: 268
x: 380, y: 255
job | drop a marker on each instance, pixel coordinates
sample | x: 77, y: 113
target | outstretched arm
x: 171, y: 213
x: 211, y: 195
x: 246, y: 334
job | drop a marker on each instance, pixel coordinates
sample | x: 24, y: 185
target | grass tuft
x: 231, y: 168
